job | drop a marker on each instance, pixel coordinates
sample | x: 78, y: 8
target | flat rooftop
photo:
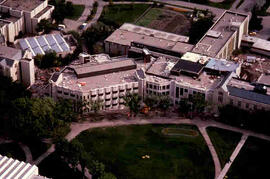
x: 264, y: 79
x: 158, y: 71
x: 218, y: 35
x: 23, y: 5
x: 10, y: 53
x: 70, y: 80
x: 128, y: 33
x: 257, y: 43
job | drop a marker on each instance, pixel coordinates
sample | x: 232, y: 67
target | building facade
x: 22, y: 16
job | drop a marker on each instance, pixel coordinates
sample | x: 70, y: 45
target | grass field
x: 224, y: 142
x: 116, y: 15
x: 252, y: 161
x: 153, y: 14
x: 12, y: 150
x: 121, y: 150
x: 78, y: 10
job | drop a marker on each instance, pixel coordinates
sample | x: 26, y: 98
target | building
x: 256, y: 45
x: 224, y: 36
x: 22, y: 16
x: 17, y: 65
x: 42, y: 44
x: 243, y: 94
x: 130, y: 38
x: 100, y: 79
x: 12, y: 168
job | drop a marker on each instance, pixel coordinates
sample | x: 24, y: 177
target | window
x: 122, y: 90
x: 100, y: 94
x: 163, y: 87
x: 186, y: 90
x: 239, y: 103
x: 167, y: 93
x: 72, y: 95
x: 59, y: 92
x: 155, y: 93
x: 107, y: 99
x: 147, y: 92
x: 114, y: 92
x: 107, y: 106
x: 181, y: 91
x: 65, y: 93
x: 147, y: 85
x: 107, y: 93
x: 194, y: 92
x: 115, y: 104
x: 150, y: 86
x: 177, y: 92
x: 231, y: 101
x: 88, y: 96
x: 115, y: 98
x: 168, y: 86
x: 247, y: 105
x: 155, y: 87
x: 93, y: 96
x: 135, y: 88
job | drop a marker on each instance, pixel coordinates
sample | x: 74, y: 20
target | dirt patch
x: 170, y: 21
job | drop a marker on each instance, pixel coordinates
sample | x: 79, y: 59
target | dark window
x: 247, y: 105
x: 147, y: 85
x: 155, y: 87
x: 114, y: 92
x: 135, y: 88
x: 107, y: 99
x: 72, y: 95
x: 115, y: 104
x: 92, y: 96
x: 59, y: 91
x: 122, y: 90
x: 168, y: 86
x: 107, y: 106
x: 115, y: 98
x: 177, y: 92
x: 163, y: 87
x: 150, y: 86
x: 167, y: 93
x: 231, y: 101
x: 239, y: 103
x: 181, y: 91
x: 65, y: 93
x: 186, y: 90
x: 194, y: 92
x: 107, y: 93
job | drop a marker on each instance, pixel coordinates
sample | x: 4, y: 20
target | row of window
x: 151, y: 86
x: 157, y: 93
x: 180, y: 92
x: 93, y: 96
x: 241, y: 104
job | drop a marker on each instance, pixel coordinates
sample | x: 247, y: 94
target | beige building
x: 224, y: 36
x: 102, y: 79
x: 22, y: 16
x: 17, y: 65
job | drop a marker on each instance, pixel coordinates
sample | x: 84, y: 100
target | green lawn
x: 54, y: 167
x: 78, y: 10
x: 12, y: 150
x: 224, y: 142
x: 121, y: 150
x: 253, y: 161
x: 151, y: 15
x: 116, y: 15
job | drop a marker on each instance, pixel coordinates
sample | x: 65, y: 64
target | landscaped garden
x: 224, y: 142
x: 252, y: 161
x: 12, y: 150
x: 77, y: 12
x: 116, y: 15
x: 172, y: 20
x: 145, y: 152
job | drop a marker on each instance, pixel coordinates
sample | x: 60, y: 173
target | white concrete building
x: 17, y: 65
x: 22, y: 16
x: 107, y: 82
x: 11, y: 169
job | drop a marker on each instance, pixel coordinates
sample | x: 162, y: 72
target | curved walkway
x: 77, y: 128
x: 25, y: 148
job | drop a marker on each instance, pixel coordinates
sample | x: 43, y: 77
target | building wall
x: 46, y: 15
x: 115, y: 49
x: 111, y: 97
x: 27, y: 71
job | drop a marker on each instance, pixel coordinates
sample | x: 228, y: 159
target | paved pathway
x: 233, y: 156
x: 212, y: 150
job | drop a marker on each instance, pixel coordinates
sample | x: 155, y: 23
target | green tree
x: 107, y: 176
x: 44, y: 25
x: 199, y: 102
x: 255, y: 22
x: 199, y: 28
x: 184, y: 106
x: 97, y: 169
x: 96, y: 105
x: 151, y: 101
x: 164, y: 103
x: 132, y: 101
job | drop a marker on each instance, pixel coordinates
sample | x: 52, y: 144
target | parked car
x: 81, y: 27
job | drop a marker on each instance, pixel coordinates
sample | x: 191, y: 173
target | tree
x: 107, y: 176
x: 96, y: 105
x: 97, y: 32
x: 151, y: 101
x: 184, y: 106
x: 132, y: 101
x: 44, y: 25
x: 199, y: 28
x: 255, y: 23
x: 199, y: 103
x: 97, y: 169
x: 164, y: 103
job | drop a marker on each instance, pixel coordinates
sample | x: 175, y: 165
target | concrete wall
x: 27, y: 72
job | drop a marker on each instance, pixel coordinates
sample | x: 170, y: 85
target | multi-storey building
x: 22, y: 16
x: 17, y: 65
x: 107, y: 82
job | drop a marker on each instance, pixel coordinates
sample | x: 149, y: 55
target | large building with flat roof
x: 224, y: 36
x: 107, y: 81
x: 135, y: 38
x: 22, y: 16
